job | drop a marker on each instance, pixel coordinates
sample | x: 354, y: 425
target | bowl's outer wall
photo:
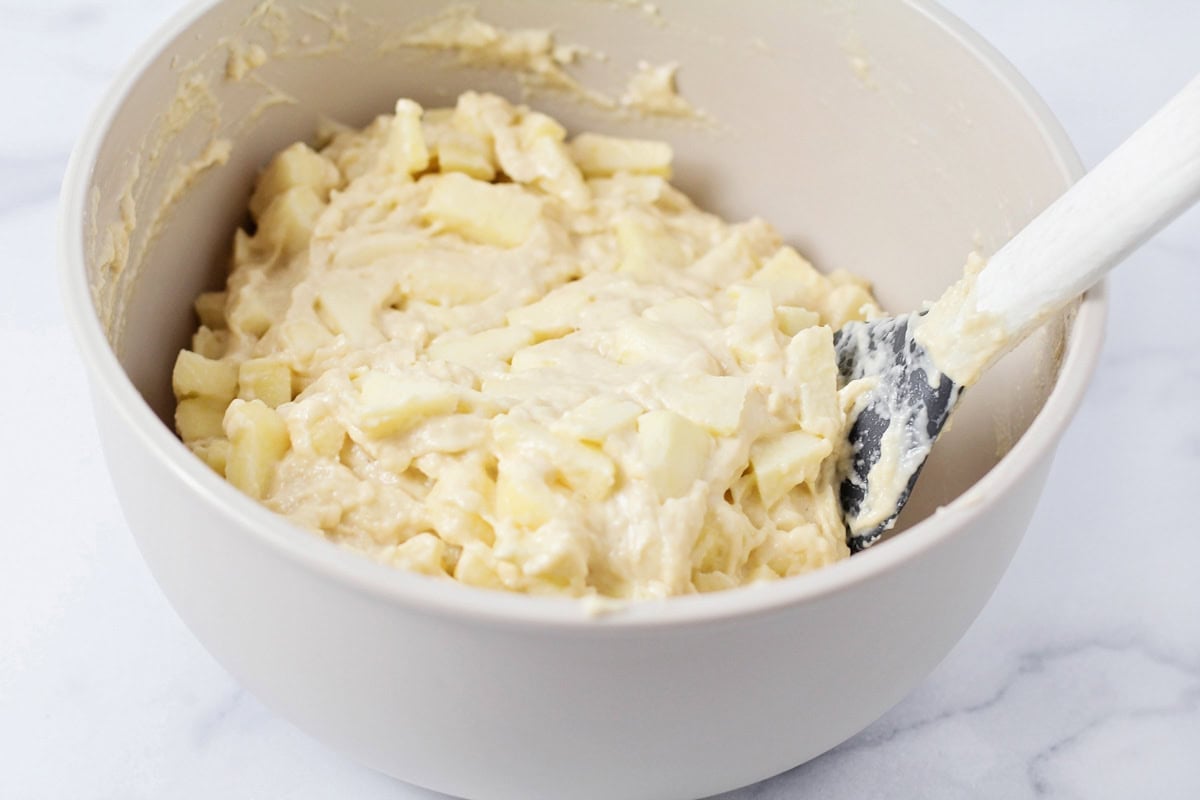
x: 874, y: 138
x: 511, y: 713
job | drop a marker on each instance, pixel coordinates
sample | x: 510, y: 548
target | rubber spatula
x: 917, y: 365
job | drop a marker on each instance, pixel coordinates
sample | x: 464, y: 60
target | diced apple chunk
x: 601, y: 156
x: 791, y: 279
x: 200, y: 418
x: 522, y: 496
x: 647, y: 249
x: 254, y: 312
x: 811, y: 364
x: 585, y: 469
x: 557, y: 174
x: 449, y: 286
x: 674, y: 451
x: 287, y: 223
x: 209, y: 343
x: 197, y: 376
x: 266, y: 379
x: 210, y: 308
x: 548, y: 354
x: 214, y: 452
x: 458, y: 151
x: 348, y: 308
x: 423, y: 553
x: 580, y: 466
x: 596, y: 419
x: 784, y: 462
x: 640, y: 341
x: 847, y: 303
x: 502, y: 215
x: 406, y: 150
x: 731, y: 260
x: 713, y: 402
x: 554, y: 315
x: 755, y: 339
x: 303, y: 337
x: 326, y: 436
x: 792, y: 319
x: 535, y: 125
x: 390, y: 404
x: 477, y: 567
x: 259, y: 439
x: 686, y: 313
x: 298, y: 165
x: 483, y: 348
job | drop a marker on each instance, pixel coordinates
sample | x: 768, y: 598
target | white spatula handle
x: 1139, y: 188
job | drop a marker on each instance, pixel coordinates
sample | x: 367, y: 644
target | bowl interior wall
x: 875, y: 142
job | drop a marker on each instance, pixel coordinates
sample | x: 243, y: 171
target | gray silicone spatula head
x: 913, y: 368
x: 895, y: 425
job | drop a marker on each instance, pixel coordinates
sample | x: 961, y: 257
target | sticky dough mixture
x: 470, y: 347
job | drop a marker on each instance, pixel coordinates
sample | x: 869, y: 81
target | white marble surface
x: 1080, y: 680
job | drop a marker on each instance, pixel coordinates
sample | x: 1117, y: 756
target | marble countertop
x: 1081, y: 679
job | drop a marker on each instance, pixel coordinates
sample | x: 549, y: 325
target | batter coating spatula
x: 921, y: 362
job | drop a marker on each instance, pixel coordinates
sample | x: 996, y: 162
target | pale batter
x: 473, y: 348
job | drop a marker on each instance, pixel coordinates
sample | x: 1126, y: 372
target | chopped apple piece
x: 254, y: 312
x: 674, y: 451
x: 647, y: 249
x: 550, y: 353
x: 847, y: 303
x: 210, y: 308
x: 791, y: 279
x: 581, y: 467
x: 784, y: 462
x: 390, y: 404
x: 553, y: 315
x: 326, y: 435
x: 214, y: 452
x: 287, y: 223
x: 792, y: 319
x: 535, y: 125
x: 557, y: 174
x: 423, y: 553
x: 502, y: 215
x: 640, y: 341
x: 596, y: 419
x: 711, y: 401
x: 259, y: 439
x: 463, y: 152
x: 682, y: 312
x: 603, y: 156
x: 585, y: 469
x: 200, y: 418
x: 209, y: 343
x: 406, y: 150
x: 266, y: 379
x: 522, y: 496
x: 197, y: 376
x: 755, y: 339
x: 477, y: 567
x: 304, y: 336
x: 731, y: 260
x: 348, y: 307
x: 483, y: 348
x: 298, y: 165
x: 811, y: 363
x: 453, y: 285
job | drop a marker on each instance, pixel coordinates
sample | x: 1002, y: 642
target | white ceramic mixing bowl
x: 881, y: 137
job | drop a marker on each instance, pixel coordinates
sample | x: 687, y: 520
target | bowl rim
x: 327, y: 561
